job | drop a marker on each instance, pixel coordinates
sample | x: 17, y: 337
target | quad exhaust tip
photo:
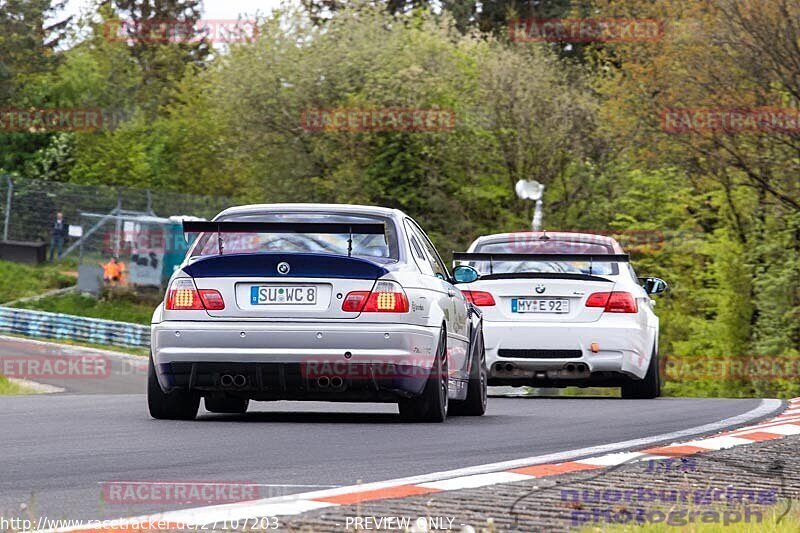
x: 228, y: 380
x: 577, y: 368
x: 323, y: 382
x: 500, y: 367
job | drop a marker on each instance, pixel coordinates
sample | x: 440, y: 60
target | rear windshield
x: 550, y: 246
x: 377, y: 247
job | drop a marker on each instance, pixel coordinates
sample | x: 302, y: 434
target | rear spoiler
x: 329, y: 228
x: 591, y: 258
x: 492, y: 257
x: 334, y: 228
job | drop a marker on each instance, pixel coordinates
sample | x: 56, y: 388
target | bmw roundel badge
x: 283, y: 268
x: 539, y: 289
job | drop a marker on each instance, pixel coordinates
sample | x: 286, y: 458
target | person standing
x: 58, y: 233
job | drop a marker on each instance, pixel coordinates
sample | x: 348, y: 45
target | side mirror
x: 654, y: 285
x: 465, y: 274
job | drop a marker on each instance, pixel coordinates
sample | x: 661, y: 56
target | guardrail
x: 79, y: 328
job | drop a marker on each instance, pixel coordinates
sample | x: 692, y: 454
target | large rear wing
x: 326, y: 228
x: 332, y: 228
x: 504, y: 257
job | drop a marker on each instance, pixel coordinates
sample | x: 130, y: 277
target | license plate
x: 283, y: 295
x: 545, y: 305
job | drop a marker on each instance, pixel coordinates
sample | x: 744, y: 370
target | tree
x: 163, y: 37
x: 27, y: 42
x: 28, y: 50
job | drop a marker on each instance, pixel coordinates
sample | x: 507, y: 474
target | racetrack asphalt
x: 58, y: 449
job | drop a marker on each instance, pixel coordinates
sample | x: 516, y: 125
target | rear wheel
x: 475, y: 402
x: 177, y: 405
x: 227, y: 405
x: 647, y: 388
x: 432, y: 404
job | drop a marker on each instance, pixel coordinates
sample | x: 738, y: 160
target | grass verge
x: 7, y: 387
x: 20, y: 281
x: 111, y: 306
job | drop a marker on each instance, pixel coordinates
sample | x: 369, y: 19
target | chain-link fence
x: 28, y: 207
x: 147, y: 248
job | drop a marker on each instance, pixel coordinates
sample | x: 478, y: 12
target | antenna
x: 532, y: 190
x: 350, y: 241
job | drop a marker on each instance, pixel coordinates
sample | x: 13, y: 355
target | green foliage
x: 714, y: 215
x: 7, y: 387
x: 19, y: 280
x: 112, y: 306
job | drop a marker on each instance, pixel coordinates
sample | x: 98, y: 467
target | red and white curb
x: 598, y: 457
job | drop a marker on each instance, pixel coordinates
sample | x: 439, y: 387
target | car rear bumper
x: 289, y: 360
x: 552, y: 352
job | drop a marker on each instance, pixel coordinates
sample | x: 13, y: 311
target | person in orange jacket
x: 113, y: 271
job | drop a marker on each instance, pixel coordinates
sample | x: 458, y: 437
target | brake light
x: 387, y: 297
x: 613, y: 302
x: 184, y: 296
x: 212, y: 299
x: 354, y: 301
x: 479, y: 298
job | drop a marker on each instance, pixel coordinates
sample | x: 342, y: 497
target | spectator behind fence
x: 58, y: 233
x: 113, y: 271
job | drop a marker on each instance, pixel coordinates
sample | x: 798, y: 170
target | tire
x: 227, y: 405
x: 647, y: 388
x: 475, y: 402
x: 176, y: 405
x: 432, y: 404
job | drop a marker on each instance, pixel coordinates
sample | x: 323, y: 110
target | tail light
x: 184, y: 296
x: 479, y: 298
x: 212, y: 299
x: 613, y: 302
x: 386, y: 297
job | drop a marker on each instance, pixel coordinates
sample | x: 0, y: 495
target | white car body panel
x: 624, y: 342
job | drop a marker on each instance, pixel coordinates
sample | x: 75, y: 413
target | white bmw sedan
x: 315, y: 302
x: 564, y: 309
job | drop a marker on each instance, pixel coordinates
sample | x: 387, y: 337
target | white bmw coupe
x: 563, y: 309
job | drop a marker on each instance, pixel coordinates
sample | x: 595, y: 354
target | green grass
x: 6, y: 387
x: 111, y: 306
x: 18, y: 280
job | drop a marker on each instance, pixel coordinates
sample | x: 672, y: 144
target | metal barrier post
x: 9, y: 194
